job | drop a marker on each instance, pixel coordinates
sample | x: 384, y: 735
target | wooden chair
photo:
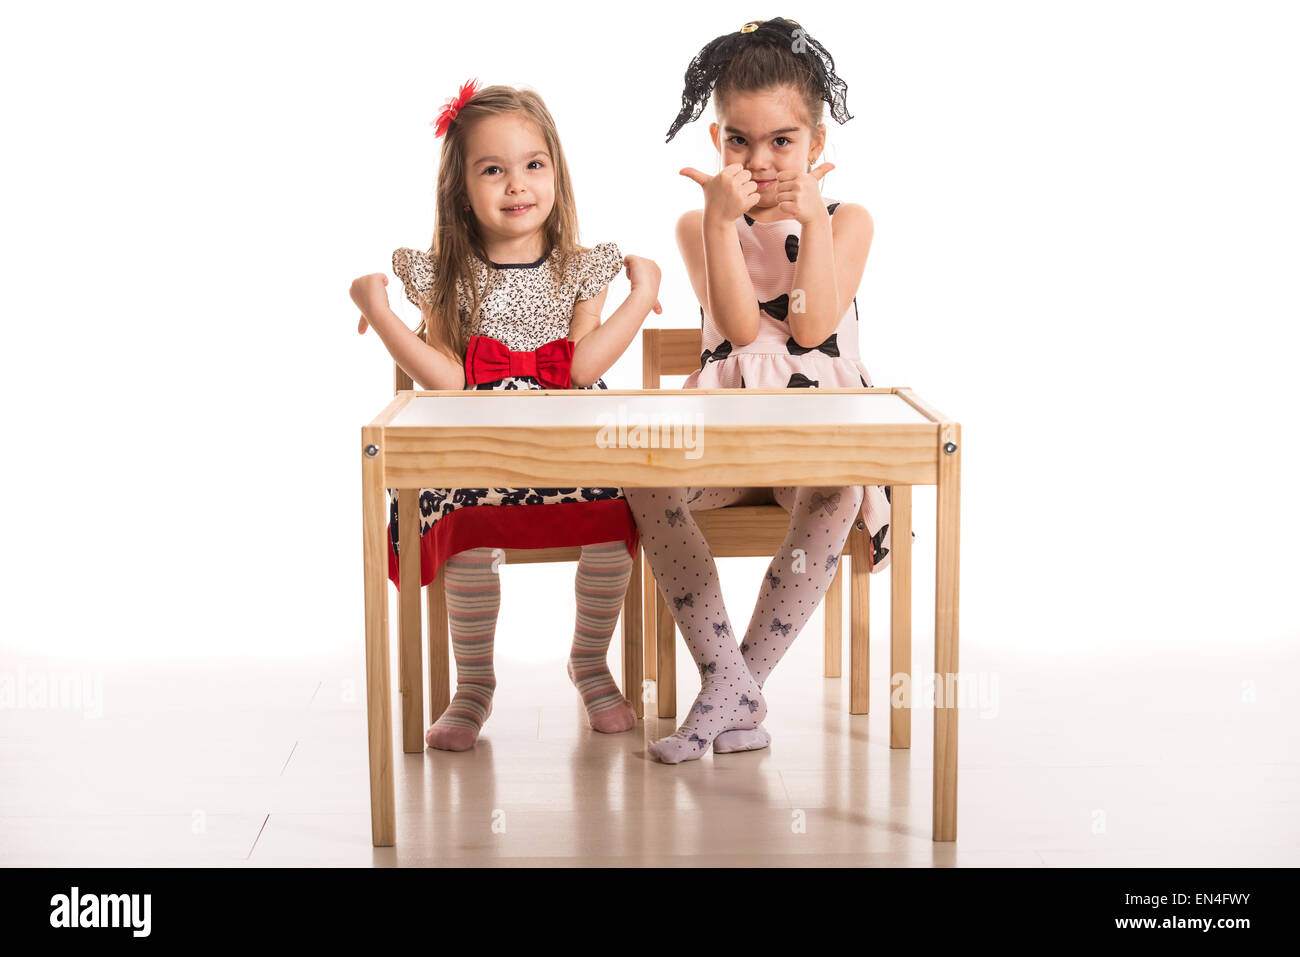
x: 410, y: 679
x: 754, y: 531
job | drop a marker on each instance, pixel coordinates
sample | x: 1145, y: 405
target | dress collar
x: 530, y: 265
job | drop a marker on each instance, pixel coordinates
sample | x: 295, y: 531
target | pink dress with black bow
x: 775, y: 361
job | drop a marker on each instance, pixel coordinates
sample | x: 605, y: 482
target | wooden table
x: 751, y: 437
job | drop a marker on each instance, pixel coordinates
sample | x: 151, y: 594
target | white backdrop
x: 1086, y: 246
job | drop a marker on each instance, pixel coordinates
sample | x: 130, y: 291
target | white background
x: 1085, y: 251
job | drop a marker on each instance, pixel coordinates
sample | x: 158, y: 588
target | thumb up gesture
x: 798, y: 194
x: 726, y: 195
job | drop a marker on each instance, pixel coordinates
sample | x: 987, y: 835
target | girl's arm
x: 597, y: 346
x: 832, y: 257
x: 716, y: 266
x: 430, y: 365
x: 732, y: 302
x: 710, y: 248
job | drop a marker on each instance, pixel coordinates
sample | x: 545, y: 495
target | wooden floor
x: 1158, y: 762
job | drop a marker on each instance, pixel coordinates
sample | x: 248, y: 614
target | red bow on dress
x: 487, y: 360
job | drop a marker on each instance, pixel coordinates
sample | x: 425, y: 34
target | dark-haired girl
x: 776, y: 268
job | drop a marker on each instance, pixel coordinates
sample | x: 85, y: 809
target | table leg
x: 649, y: 601
x: 410, y: 680
x: 833, y: 606
x: 633, y: 639
x: 383, y: 807
x: 900, y: 616
x: 439, y: 653
x: 666, y: 650
x: 859, y: 619
x: 947, y: 563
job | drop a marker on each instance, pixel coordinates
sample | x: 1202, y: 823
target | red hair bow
x: 487, y: 360
x: 451, y: 109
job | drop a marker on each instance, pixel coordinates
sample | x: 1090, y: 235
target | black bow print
x: 792, y: 247
x: 674, y: 516
x: 772, y: 577
x: 687, y: 599
x: 703, y: 708
x: 777, y: 626
x: 722, y: 629
x: 801, y: 381
x: 830, y: 347
x: 744, y: 646
x: 777, y: 308
x: 832, y: 561
x: 827, y: 504
x: 698, y: 493
x: 694, y: 738
x: 878, y: 544
x: 708, y: 669
x: 715, y: 355
x: 746, y: 703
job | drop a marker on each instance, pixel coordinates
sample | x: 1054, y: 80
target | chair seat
x: 747, y: 531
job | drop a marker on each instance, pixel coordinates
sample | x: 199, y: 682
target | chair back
x: 668, y: 352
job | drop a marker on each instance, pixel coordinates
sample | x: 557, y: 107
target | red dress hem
x: 555, y: 525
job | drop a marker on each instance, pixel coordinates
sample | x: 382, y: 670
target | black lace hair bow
x: 712, y: 60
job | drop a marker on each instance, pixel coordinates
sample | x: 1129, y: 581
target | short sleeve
x: 599, y: 265
x: 416, y: 270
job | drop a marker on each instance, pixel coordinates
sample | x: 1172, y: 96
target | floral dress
x: 525, y: 307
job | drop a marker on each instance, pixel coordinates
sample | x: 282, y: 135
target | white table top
x: 792, y: 407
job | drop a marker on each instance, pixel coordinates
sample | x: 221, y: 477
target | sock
x: 600, y: 587
x: 473, y: 600
x: 688, y: 580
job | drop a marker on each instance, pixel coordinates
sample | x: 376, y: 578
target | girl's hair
x: 760, y: 56
x: 456, y: 236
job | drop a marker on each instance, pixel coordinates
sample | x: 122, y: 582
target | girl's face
x: 509, y: 176
x: 767, y: 132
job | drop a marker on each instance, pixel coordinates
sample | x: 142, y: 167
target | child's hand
x: 369, y: 294
x: 726, y: 195
x: 799, y: 196
x: 644, y: 273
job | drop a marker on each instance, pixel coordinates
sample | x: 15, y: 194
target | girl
x: 777, y: 310
x: 506, y: 287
